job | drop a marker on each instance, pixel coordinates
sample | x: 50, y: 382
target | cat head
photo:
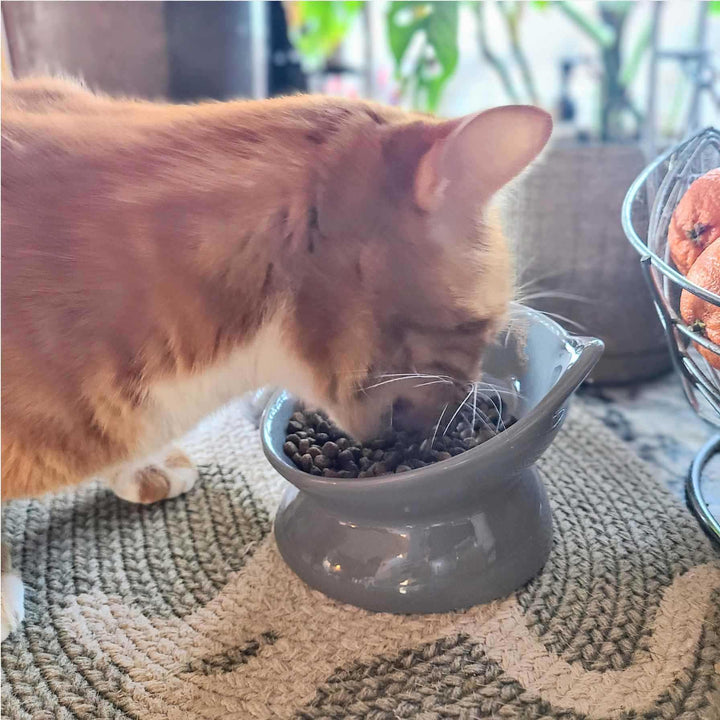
x: 407, y: 277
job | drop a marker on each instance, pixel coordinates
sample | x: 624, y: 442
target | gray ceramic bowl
x: 450, y: 535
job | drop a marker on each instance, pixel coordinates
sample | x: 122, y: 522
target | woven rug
x: 185, y: 610
x: 638, y: 415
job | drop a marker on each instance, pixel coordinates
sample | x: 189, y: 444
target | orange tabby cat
x: 158, y: 260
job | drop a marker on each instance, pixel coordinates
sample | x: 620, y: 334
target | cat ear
x: 479, y: 154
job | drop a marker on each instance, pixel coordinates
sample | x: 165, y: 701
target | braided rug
x: 185, y: 610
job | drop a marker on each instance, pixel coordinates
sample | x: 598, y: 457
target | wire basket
x: 655, y: 194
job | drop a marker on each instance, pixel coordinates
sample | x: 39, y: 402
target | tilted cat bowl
x: 450, y: 535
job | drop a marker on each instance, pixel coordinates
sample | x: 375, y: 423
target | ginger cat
x: 158, y: 260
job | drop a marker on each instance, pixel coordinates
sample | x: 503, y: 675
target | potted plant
x: 573, y: 261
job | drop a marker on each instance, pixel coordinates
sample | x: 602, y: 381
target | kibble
x: 323, y: 462
x: 317, y: 446
x: 345, y: 457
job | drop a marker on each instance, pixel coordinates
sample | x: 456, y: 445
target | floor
x: 658, y: 422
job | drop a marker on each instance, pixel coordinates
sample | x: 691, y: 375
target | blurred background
x: 623, y: 80
x: 613, y: 71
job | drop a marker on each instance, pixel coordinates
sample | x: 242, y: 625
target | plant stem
x: 598, y: 32
x: 631, y: 67
x: 512, y: 15
x: 490, y: 57
x: 612, y: 101
x: 634, y: 110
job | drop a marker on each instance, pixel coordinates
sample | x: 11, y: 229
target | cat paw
x: 165, y: 475
x: 12, y: 598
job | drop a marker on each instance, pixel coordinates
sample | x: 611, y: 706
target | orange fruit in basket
x: 699, y: 315
x: 695, y: 224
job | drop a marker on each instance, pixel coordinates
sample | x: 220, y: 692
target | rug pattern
x: 185, y: 609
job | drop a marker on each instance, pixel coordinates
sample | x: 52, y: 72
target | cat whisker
x: 387, y: 382
x: 532, y: 282
x: 495, y: 389
x: 409, y: 376
x: 364, y: 374
x: 488, y: 386
x: 558, y: 316
x: 433, y: 382
x: 500, y: 417
x: 558, y: 294
x: 497, y: 408
x: 467, y: 397
x: 474, y: 409
x: 479, y: 414
x: 508, y: 333
x: 434, y: 435
x: 568, y: 320
x: 414, y: 374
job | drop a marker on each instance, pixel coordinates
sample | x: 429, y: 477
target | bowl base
x: 420, y: 565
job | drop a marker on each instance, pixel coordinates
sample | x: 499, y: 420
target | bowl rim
x: 587, y: 352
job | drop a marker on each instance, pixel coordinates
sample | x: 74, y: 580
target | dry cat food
x: 319, y: 447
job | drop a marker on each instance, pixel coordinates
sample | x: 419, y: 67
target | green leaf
x: 714, y: 7
x: 317, y: 29
x: 540, y: 4
x: 442, y: 35
x: 435, y: 24
x: 401, y: 28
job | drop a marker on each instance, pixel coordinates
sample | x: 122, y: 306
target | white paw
x: 162, y: 476
x: 12, y: 597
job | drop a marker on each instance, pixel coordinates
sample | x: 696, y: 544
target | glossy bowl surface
x: 453, y: 534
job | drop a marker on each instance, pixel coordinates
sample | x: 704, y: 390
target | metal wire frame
x: 693, y: 488
x: 659, y: 188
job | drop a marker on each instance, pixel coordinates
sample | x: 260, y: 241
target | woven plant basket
x: 563, y: 219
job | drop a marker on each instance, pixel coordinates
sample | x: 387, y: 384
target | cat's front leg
x: 12, y: 596
x: 164, y: 475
